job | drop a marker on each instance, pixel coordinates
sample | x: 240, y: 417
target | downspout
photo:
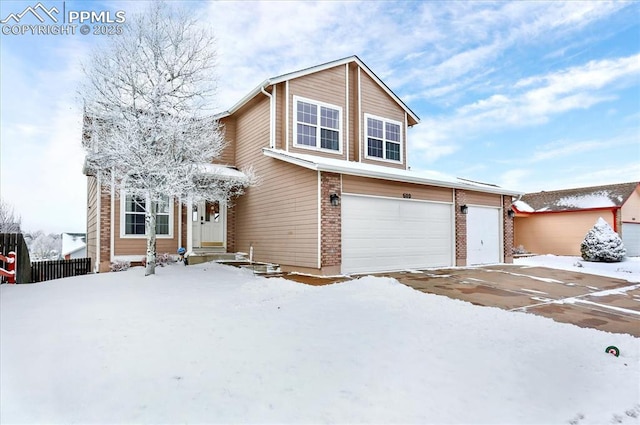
x: 272, y: 126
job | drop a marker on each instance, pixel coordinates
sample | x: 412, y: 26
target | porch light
x: 464, y: 209
x: 511, y: 213
x: 334, y: 199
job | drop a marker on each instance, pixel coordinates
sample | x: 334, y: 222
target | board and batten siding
x: 92, y: 220
x: 394, y: 189
x: 328, y: 86
x: 375, y: 101
x: 279, y: 216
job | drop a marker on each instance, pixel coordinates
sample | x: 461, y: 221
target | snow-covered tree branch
x: 148, y: 115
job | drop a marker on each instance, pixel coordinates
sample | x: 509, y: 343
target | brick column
x: 105, y: 231
x: 231, y: 228
x: 460, y: 228
x: 331, y: 221
x: 508, y: 233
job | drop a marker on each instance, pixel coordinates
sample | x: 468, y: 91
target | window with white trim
x: 384, y: 138
x: 133, y: 222
x: 318, y: 125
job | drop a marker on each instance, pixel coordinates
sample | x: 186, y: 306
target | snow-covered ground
x: 628, y: 269
x: 216, y: 344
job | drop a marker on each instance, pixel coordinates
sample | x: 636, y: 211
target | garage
x: 384, y: 234
x: 631, y: 238
x: 483, y: 235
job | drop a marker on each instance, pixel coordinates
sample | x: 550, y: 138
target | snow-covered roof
x: 432, y: 178
x: 608, y: 196
x: 222, y: 171
x: 72, y: 242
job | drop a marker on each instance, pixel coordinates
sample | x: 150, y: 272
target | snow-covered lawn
x: 216, y: 344
x: 628, y: 269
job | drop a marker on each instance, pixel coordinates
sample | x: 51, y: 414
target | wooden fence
x: 56, y: 269
x: 15, y: 242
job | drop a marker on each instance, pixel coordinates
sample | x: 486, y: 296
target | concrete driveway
x: 585, y: 300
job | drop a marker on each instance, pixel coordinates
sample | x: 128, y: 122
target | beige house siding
x: 279, y: 216
x: 354, y: 122
x: 92, y: 220
x: 557, y: 233
x: 631, y: 208
x: 484, y: 199
x: 375, y: 101
x: 281, y: 118
x: 393, y: 189
x: 138, y: 246
x: 328, y: 86
x: 227, y: 157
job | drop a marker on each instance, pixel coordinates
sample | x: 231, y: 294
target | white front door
x: 209, y: 225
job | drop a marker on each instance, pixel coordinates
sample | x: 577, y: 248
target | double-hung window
x: 318, y: 125
x: 134, y: 216
x: 384, y: 138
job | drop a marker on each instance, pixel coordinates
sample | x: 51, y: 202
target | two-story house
x: 336, y: 196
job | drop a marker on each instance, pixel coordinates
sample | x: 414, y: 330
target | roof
x: 431, y: 178
x: 607, y: 196
x: 314, y: 69
x: 73, y: 242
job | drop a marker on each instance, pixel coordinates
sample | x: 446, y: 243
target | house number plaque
x: 406, y: 195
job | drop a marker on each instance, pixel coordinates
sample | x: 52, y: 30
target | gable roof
x: 341, y: 166
x: 607, y: 196
x: 301, y: 73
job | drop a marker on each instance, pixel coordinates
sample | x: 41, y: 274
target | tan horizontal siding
x: 376, y: 101
x: 328, y: 86
x: 479, y: 198
x: 631, y: 208
x: 228, y: 128
x: 354, y: 122
x: 279, y: 217
x: 138, y: 246
x: 281, y: 126
x: 392, y: 189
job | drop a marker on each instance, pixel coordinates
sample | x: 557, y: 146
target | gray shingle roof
x: 613, y: 195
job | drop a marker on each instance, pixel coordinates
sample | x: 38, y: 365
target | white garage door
x: 483, y: 235
x: 631, y: 238
x: 380, y: 234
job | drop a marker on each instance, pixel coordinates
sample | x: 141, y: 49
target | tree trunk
x: 150, y: 227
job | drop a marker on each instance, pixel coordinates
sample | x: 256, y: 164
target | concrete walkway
x: 585, y: 300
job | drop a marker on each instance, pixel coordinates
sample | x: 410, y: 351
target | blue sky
x: 527, y: 95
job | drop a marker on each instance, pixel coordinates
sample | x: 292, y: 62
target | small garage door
x: 631, y: 238
x: 483, y: 235
x: 381, y: 234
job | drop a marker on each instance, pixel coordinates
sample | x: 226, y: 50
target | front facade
x: 556, y: 222
x: 336, y: 196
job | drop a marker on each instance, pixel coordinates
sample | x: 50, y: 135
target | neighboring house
x: 556, y: 222
x: 329, y: 146
x: 74, y: 245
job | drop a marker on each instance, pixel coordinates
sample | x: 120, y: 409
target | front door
x: 208, y: 225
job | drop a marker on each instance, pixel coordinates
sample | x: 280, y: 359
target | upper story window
x: 133, y: 220
x: 318, y: 125
x: 384, y: 139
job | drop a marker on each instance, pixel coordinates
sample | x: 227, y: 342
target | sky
x: 527, y: 95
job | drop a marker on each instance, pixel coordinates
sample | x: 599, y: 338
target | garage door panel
x: 631, y: 238
x: 382, y: 234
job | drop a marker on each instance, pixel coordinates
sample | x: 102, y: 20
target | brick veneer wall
x: 231, y: 227
x: 460, y: 228
x: 105, y: 232
x: 507, y: 201
x: 331, y: 221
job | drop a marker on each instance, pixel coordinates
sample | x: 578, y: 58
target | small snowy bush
x: 602, y: 244
x: 118, y: 266
x: 161, y: 260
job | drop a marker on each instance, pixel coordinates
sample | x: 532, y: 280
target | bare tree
x: 9, y: 222
x: 149, y: 128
